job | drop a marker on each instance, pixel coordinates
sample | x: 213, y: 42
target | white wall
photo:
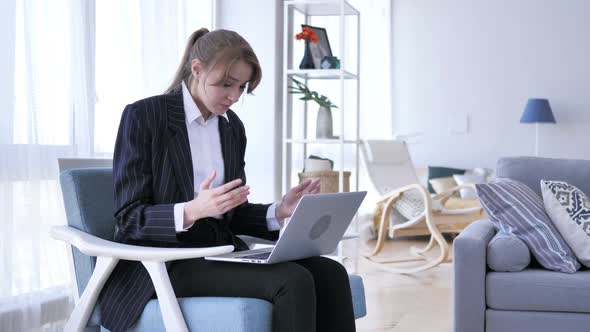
x: 261, y: 25
x: 482, y: 60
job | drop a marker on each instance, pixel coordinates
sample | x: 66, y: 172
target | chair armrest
x: 95, y: 246
x: 109, y: 253
x: 469, y: 301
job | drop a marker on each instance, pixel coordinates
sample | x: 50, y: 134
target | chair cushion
x: 231, y: 313
x: 212, y: 314
x: 569, y: 209
x: 516, y: 208
x: 538, y: 290
x: 410, y: 204
x: 507, y: 253
x: 358, y: 296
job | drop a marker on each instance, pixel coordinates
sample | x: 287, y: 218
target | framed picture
x: 321, y: 49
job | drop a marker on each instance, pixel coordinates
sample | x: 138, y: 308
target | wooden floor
x: 396, y: 302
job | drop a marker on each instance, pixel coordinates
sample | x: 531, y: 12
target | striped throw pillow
x: 516, y: 208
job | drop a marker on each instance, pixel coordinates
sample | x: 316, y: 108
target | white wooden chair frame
x: 453, y: 221
x: 390, y: 166
x: 107, y: 255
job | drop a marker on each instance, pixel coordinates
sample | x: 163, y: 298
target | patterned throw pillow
x: 569, y: 209
x: 517, y: 209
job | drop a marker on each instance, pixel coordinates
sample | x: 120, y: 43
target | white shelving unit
x: 341, y: 10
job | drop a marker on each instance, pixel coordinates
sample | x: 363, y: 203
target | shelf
x: 322, y: 8
x: 330, y: 74
x: 321, y: 141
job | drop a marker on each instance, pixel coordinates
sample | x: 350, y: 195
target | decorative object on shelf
x: 315, y: 163
x: 330, y: 62
x: 328, y: 180
x: 323, y: 169
x: 323, y: 128
x: 537, y: 111
x: 310, y: 37
x: 324, y: 119
x: 321, y: 48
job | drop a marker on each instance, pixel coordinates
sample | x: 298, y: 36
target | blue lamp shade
x: 537, y: 111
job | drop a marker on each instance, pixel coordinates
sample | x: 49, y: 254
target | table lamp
x: 537, y: 111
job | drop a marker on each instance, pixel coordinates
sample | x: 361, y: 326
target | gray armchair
x: 88, y: 197
x: 533, y: 299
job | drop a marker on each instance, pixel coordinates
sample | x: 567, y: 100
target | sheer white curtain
x: 138, y: 47
x: 56, y: 106
x: 48, y: 119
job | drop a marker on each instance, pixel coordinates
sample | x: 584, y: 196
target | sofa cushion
x: 435, y: 172
x: 504, y: 321
x: 507, y: 253
x: 516, y: 208
x: 467, y: 179
x: 442, y: 184
x: 569, y: 209
x: 538, y: 290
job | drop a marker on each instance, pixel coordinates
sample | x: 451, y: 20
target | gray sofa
x: 533, y: 299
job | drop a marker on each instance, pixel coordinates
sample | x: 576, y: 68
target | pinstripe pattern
x: 152, y: 170
x: 521, y: 212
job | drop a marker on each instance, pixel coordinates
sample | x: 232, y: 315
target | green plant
x: 301, y: 88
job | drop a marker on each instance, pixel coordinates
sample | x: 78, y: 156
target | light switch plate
x: 458, y: 123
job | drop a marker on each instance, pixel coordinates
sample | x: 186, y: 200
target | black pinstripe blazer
x: 152, y: 171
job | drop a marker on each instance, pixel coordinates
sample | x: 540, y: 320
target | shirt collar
x: 191, y: 109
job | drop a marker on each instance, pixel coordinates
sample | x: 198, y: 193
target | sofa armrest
x: 469, y: 302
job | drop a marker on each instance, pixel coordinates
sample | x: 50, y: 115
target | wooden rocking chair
x: 392, y: 173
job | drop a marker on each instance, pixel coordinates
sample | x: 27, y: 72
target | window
x: 76, y: 65
x: 138, y: 47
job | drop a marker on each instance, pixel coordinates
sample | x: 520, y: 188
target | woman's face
x: 217, y: 99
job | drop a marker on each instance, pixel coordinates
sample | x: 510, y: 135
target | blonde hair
x: 212, y: 48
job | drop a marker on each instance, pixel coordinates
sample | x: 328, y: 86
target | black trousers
x: 311, y: 294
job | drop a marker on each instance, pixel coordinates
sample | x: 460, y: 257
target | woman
x: 179, y: 181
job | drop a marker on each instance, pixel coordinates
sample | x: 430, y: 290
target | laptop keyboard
x: 263, y: 255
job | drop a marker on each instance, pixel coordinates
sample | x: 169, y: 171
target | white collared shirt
x: 205, y: 145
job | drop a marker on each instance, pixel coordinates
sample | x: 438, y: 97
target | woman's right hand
x: 214, y: 202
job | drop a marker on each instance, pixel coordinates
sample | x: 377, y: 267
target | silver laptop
x: 315, y: 228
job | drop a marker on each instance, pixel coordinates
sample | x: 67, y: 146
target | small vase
x: 307, y: 61
x: 324, y: 123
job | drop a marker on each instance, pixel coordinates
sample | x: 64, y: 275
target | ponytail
x: 184, y: 69
x: 218, y: 47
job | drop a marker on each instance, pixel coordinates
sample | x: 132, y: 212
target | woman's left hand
x: 287, y: 205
